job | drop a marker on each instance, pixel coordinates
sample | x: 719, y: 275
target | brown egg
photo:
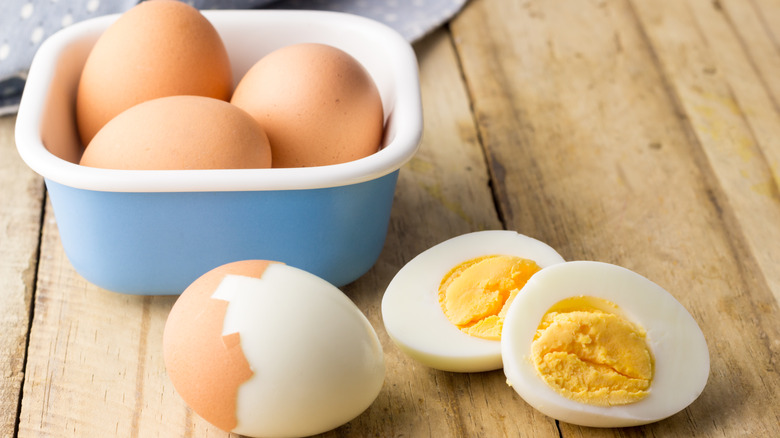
x: 194, y: 331
x: 180, y: 132
x: 158, y: 48
x: 261, y: 349
x: 317, y: 104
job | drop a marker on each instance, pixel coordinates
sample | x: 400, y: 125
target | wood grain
x: 621, y: 164
x: 645, y: 134
x: 447, y: 190
x: 731, y: 113
x: 97, y: 351
x: 21, y: 198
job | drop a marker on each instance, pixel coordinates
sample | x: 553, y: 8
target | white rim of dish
x: 407, y: 112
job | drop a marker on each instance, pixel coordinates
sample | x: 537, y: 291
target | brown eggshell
x: 317, y: 104
x: 158, y: 48
x: 180, y: 132
x: 205, y: 367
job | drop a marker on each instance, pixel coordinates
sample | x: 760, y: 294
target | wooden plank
x: 95, y: 366
x: 442, y: 193
x: 94, y: 363
x: 90, y: 355
x: 21, y: 199
x: 592, y: 151
x: 754, y: 24
x: 614, y: 131
x: 730, y: 107
x: 762, y: 17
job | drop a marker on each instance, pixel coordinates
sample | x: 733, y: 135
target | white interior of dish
x: 47, y: 140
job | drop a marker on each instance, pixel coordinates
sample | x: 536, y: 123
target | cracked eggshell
x: 263, y: 349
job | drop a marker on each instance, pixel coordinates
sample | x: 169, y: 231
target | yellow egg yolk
x: 476, y: 294
x: 588, y: 352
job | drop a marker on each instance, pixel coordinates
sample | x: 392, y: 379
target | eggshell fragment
x: 317, y: 103
x: 194, y: 330
x: 180, y: 132
x: 314, y: 362
x: 158, y: 48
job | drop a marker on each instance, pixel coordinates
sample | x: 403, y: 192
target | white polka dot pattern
x: 27, y: 11
x: 24, y: 24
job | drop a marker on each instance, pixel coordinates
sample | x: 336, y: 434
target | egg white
x: 675, y: 340
x: 414, y: 319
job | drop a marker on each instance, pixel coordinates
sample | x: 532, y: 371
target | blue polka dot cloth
x: 24, y: 24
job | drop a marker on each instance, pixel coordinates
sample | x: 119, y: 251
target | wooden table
x: 640, y: 133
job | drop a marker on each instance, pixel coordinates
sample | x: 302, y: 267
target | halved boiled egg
x: 264, y: 349
x: 598, y: 345
x: 445, y: 308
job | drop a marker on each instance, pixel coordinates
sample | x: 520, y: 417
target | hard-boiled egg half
x: 587, y: 343
x: 598, y: 345
x: 264, y: 349
x: 445, y: 308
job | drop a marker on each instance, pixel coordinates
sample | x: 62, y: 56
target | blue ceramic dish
x: 154, y: 232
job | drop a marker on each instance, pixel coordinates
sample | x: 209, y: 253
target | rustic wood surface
x: 640, y: 133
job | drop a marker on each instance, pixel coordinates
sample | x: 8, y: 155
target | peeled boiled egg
x: 180, y: 132
x: 263, y: 349
x: 445, y: 308
x: 317, y: 103
x: 598, y: 345
x: 157, y: 48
